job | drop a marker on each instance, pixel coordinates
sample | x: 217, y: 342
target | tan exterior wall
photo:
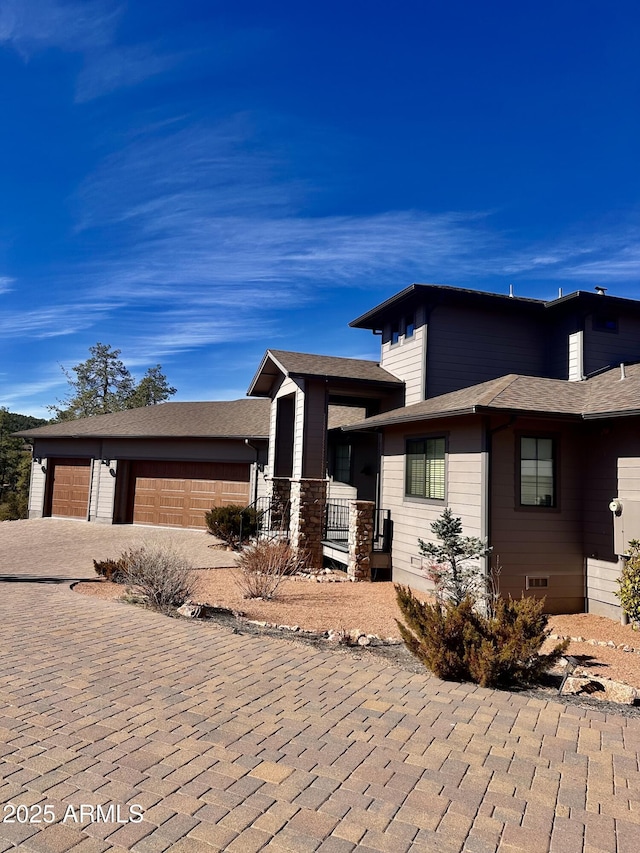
x: 412, y: 517
x: 407, y: 359
x: 37, y: 485
x: 539, y: 541
x: 103, y: 488
x: 601, y: 587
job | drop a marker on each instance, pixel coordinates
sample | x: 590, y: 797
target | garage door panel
x: 172, y: 498
x: 70, y: 489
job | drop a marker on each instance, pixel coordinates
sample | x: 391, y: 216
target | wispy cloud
x: 6, y: 284
x: 212, y: 210
x: 88, y: 28
x: 53, y: 321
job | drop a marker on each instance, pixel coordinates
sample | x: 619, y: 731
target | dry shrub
x: 161, y: 575
x: 263, y: 566
x: 458, y: 643
x: 111, y: 570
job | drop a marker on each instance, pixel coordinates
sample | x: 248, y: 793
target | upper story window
x: 538, y: 471
x: 410, y: 327
x: 605, y: 323
x: 395, y: 333
x: 425, y: 468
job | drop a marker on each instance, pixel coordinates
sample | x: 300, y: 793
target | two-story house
x: 519, y: 414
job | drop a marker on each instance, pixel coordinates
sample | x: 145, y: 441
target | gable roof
x: 303, y: 364
x: 218, y: 419
x: 603, y: 395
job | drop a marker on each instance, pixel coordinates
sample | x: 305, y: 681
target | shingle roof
x: 604, y: 395
x: 325, y: 366
x: 219, y: 419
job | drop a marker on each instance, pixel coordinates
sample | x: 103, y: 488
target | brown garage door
x: 70, y: 487
x: 177, y: 494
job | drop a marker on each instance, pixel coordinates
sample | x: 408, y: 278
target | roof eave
x: 613, y: 413
x: 463, y: 412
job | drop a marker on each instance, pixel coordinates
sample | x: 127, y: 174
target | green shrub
x: 233, y: 524
x: 457, y: 643
x: 629, y: 583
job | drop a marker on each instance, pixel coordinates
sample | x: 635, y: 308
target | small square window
x: 395, y: 334
x: 605, y: 323
x: 537, y: 583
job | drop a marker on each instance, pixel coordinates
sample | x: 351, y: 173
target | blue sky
x: 193, y: 182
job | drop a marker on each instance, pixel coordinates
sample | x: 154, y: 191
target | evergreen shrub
x: 458, y: 643
x: 232, y: 524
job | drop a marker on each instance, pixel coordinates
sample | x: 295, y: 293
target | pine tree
x: 103, y: 384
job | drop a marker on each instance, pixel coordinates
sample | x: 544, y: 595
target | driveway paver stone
x: 245, y: 743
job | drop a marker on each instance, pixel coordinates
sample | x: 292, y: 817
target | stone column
x: 308, y: 499
x: 360, y: 540
x: 280, y: 508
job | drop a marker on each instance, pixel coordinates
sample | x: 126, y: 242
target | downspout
x: 489, y: 433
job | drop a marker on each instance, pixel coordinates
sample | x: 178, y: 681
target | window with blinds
x: 425, y: 474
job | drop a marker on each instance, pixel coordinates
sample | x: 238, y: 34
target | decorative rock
x: 577, y: 639
x: 190, y: 611
x: 364, y: 641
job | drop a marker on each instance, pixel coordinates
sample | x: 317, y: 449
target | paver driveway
x: 243, y: 743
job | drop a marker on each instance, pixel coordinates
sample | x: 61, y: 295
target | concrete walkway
x: 243, y: 743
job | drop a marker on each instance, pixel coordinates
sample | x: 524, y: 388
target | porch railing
x: 336, y: 522
x: 336, y: 525
x: 272, y: 518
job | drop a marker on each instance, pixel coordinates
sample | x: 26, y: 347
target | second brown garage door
x: 177, y: 494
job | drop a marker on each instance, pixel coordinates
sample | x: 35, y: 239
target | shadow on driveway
x: 44, y: 579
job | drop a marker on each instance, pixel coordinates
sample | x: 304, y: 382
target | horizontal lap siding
x: 629, y: 477
x: 106, y: 487
x: 412, y: 518
x: 406, y: 360
x: 466, y: 347
x: 613, y: 471
x: 539, y: 542
x: 605, y: 349
x: 37, y: 489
